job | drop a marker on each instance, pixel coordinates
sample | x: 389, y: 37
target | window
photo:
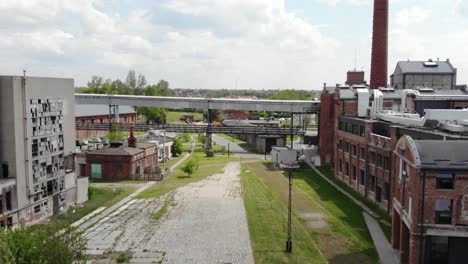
x: 371, y: 183
x: 340, y: 144
x: 362, y: 177
x: 354, y: 150
x: 353, y: 172
x: 100, y: 120
x: 372, y: 158
x: 96, y: 171
x: 348, y: 127
x: 361, y: 131
x: 379, y: 160
x: 445, y: 181
x: 1, y: 204
x: 346, y: 147
x: 443, y: 212
x: 346, y: 168
x: 70, y: 163
x: 362, y: 153
x: 8, y: 201
x: 340, y: 164
x: 5, y: 170
x: 386, y: 163
x: 37, y: 209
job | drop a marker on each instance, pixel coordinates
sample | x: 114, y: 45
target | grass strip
x: 384, y: 218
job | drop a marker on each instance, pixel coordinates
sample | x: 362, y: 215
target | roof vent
x: 430, y: 63
x: 426, y: 90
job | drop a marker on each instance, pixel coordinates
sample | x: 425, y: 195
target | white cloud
x: 411, y: 16
x: 269, y: 44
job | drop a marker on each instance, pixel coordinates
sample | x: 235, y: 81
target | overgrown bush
x: 42, y: 244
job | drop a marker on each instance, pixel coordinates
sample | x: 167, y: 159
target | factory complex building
x: 37, y: 146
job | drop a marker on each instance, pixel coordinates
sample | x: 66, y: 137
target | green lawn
x: 174, y: 117
x: 207, y: 167
x: 266, y: 215
x: 99, y: 197
x: 327, y: 226
x: 384, y: 218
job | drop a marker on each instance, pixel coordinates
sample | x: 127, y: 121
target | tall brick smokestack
x: 379, y: 61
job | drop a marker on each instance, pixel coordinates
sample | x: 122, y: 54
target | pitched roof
x: 443, y: 153
x: 419, y: 67
x: 120, y: 151
x: 97, y: 110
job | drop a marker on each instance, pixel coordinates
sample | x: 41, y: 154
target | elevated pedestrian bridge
x: 197, y: 129
x: 284, y: 106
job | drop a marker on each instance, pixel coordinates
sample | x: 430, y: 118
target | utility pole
x: 289, y: 241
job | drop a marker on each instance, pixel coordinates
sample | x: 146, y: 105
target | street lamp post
x: 289, y: 241
x: 290, y: 167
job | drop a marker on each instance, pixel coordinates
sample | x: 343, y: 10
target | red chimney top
x: 132, y: 139
x: 379, y: 45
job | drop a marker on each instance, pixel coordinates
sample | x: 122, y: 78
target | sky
x: 214, y: 44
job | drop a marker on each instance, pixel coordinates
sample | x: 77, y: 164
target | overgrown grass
x: 384, y: 219
x: 154, y: 192
x: 99, y: 197
x: 267, y: 225
x: 161, y: 212
x: 343, y: 239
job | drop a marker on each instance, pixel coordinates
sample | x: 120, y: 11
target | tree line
x: 134, y: 84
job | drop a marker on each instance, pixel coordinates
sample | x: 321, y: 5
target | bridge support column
x: 208, y: 142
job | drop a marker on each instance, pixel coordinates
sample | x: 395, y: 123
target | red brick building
x: 99, y: 114
x: 430, y: 204
x: 134, y: 161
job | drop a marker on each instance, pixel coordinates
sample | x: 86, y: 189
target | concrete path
x: 384, y: 249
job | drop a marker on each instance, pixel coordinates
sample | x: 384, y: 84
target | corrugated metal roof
x: 418, y: 67
x: 97, y: 110
x: 442, y: 153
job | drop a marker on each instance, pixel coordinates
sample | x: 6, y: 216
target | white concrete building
x: 37, y: 144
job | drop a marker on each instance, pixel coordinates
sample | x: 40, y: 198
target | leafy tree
x: 190, y: 166
x: 131, y: 81
x: 291, y: 95
x: 202, y: 138
x: 154, y: 114
x: 115, y: 135
x: 176, y: 147
x: 96, y: 82
x: 186, y: 137
x: 42, y: 244
x: 120, y: 87
x: 140, y: 85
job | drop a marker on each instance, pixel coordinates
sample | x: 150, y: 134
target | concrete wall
x: 83, y: 184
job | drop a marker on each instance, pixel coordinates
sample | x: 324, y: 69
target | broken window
x: 443, y: 212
